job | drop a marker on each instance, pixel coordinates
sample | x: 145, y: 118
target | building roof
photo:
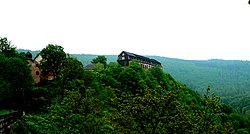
x: 38, y: 58
x: 89, y: 67
x: 141, y: 57
x: 28, y: 55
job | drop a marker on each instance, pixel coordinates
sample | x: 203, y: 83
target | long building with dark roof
x: 124, y: 59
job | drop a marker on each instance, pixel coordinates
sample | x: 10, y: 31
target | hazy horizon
x: 138, y: 54
x: 191, y: 30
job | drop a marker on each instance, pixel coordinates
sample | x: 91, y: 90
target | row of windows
x: 145, y: 66
x: 142, y: 60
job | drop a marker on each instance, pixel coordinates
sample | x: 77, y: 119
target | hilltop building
x: 50, y: 75
x: 124, y: 59
x: 35, y: 71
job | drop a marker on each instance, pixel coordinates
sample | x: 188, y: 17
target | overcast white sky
x: 186, y: 29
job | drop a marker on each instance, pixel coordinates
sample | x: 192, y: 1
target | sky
x: 185, y: 29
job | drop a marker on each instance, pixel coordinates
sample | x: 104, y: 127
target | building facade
x: 35, y: 71
x: 124, y: 59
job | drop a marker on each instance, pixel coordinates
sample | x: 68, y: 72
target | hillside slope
x: 229, y: 79
x: 225, y: 77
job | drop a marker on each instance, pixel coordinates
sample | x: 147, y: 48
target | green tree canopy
x: 15, y: 81
x: 6, y: 48
x: 129, y: 99
x: 52, y: 59
x: 100, y: 59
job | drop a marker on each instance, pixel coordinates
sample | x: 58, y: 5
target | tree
x: 208, y: 116
x: 75, y: 114
x: 6, y: 48
x: 132, y: 78
x: 160, y: 77
x: 109, y: 76
x: 72, y: 69
x: 100, y: 59
x: 52, y: 59
x: 154, y: 112
x: 15, y: 80
x: 71, y: 76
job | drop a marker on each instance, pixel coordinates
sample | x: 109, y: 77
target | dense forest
x: 225, y: 77
x: 229, y: 79
x: 108, y: 99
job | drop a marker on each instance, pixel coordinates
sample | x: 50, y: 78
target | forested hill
x: 225, y: 77
x: 229, y: 79
x: 109, y: 99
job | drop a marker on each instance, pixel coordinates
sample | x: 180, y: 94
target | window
x: 37, y: 72
x: 123, y: 58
